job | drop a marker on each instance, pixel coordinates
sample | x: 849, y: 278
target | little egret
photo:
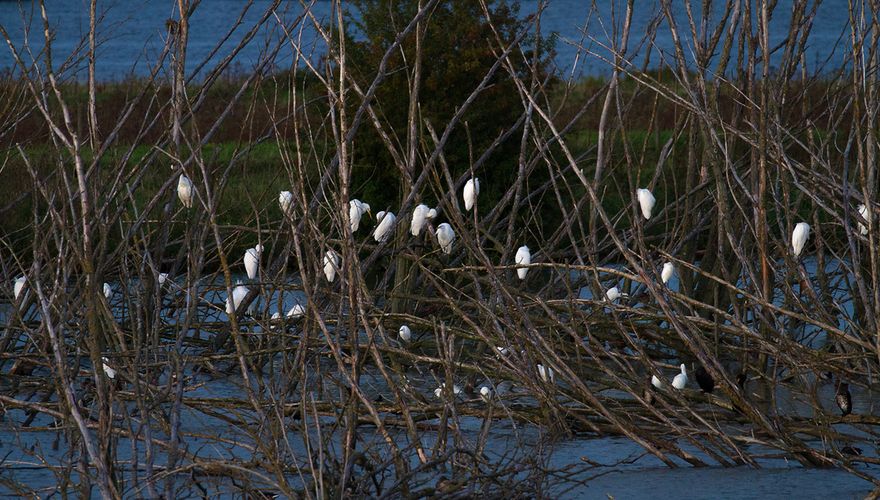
x: 252, y: 261
x: 704, y: 380
x: 843, y: 399
x: 646, y: 202
x: 613, y: 294
x: 681, y: 379
x: 799, y: 237
x: 546, y: 373
x: 863, y: 211
x: 285, y: 201
x: 297, y: 311
x: 420, y: 215
x: 471, y: 191
x: 108, y: 291
x: 238, y: 294
x: 276, y: 316
x: 446, y: 237
x: 404, y: 333
x: 332, y: 262
x: 356, y: 210
x: 163, y: 277
x: 667, y: 272
x: 385, y: 227
x: 110, y: 372
x: 656, y: 382
x: 185, y: 191
x: 523, y: 258
x: 18, y: 287
x: 486, y: 393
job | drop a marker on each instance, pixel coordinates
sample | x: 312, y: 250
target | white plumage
x: 613, y: 294
x: 356, y: 210
x: 110, y: 372
x: 404, y: 333
x: 420, y: 215
x: 238, y: 294
x: 185, y: 191
x: 656, y: 382
x: 18, y: 287
x: 445, y: 237
x: 546, y: 373
x: 285, y: 201
x: 470, y: 193
x: 385, y: 227
x: 276, y: 316
x: 667, y: 272
x: 646, y: 202
x: 331, y: 264
x: 252, y: 261
x: 438, y: 392
x: 799, y: 237
x: 486, y: 393
x: 163, y: 277
x: 523, y: 258
x: 681, y: 379
x: 297, y: 311
x: 863, y: 211
x: 108, y: 291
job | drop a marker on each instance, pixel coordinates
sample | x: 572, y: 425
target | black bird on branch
x: 843, y: 399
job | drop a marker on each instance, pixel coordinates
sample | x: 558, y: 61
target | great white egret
x: 843, y: 398
x: 297, y: 311
x: 646, y: 202
x: 420, y: 215
x: 332, y: 262
x: 546, y: 373
x: 667, y: 272
x: 238, y: 294
x: 470, y: 193
x: 108, y: 291
x: 486, y: 393
x: 252, y: 261
x: 799, y: 237
x: 110, y: 372
x: 356, y: 210
x: 404, y: 333
x: 681, y: 379
x: 863, y: 211
x: 285, y: 201
x: 385, y: 227
x: 523, y: 258
x: 18, y: 287
x: 185, y: 191
x: 446, y: 237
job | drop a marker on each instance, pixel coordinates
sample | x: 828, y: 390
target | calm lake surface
x: 133, y: 33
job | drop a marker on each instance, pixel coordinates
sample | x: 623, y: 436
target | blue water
x: 132, y: 34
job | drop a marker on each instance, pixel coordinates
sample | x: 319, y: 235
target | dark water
x: 133, y: 33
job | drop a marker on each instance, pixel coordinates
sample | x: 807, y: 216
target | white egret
x: 470, y: 193
x: 238, y: 294
x: 656, y: 382
x: 446, y: 237
x: 185, y: 191
x: 546, y: 373
x: 356, y: 210
x: 385, y: 227
x: 613, y: 294
x: 486, y: 393
x: 863, y: 211
x: 404, y: 333
x: 276, y: 316
x: 252, y: 260
x: 108, y: 291
x: 332, y: 261
x: 456, y: 390
x: 110, y: 372
x: 285, y: 200
x: 523, y: 258
x: 646, y: 202
x: 667, y: 272
x: 163, y: 277
x: 799, y: 237
x: 681, y: 379
x: 297, y: 311
x: 420, y: 215
x: 18, y: 287
x: 502, y: 351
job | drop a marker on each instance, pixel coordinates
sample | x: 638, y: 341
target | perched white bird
x: 163, y: 277
x: 385, y: 227
x: 502, y: 351
x: 238, y: 294
x: 646, y: 202
x: 799, y: 237
x: 613, y: 294
x: 108, y: 291
x: 332, y: 262
x: 297, y: 311
x: 252, y: 260
x: 456, y: 390
x: 681, y: 379
x: 667, y: 272
x: 656, y: 382
x: 276, y: 316
x: 523, y: 258
x: 404, y: 333
x: 446, y: 237
x: 546, y: 373
x: 110, y: 372
x: 420, y: 215
x: 185, y: 191
x: 18, y: 287
x: 285, y: 200
x: 470, y: 193
x: 863, y: 211
x: 486, y: 393
x: 356, y: 210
